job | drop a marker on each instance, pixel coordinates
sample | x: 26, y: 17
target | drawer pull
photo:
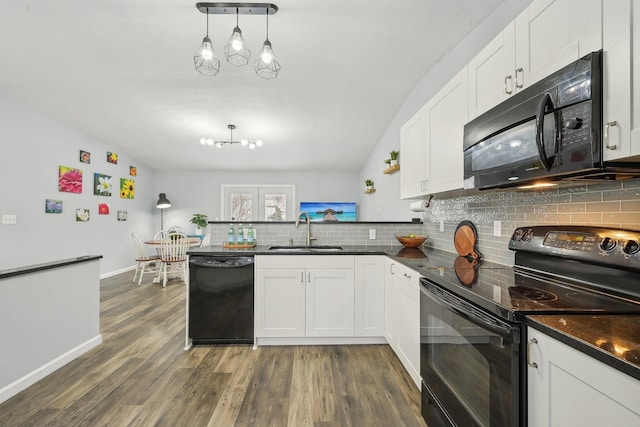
x: 508, y: 79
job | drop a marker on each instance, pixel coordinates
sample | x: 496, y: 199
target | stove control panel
x: 597, y: 244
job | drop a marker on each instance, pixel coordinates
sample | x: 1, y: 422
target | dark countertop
x: 582, y: 332
x: 608, y: 338
x: 12, y: 272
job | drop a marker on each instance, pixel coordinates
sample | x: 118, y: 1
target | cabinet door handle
x: 508, y: 78
x: 309, y: 277
x: 520, y: 82
x: 529, y: 362
x: 302, y: 277
x: 606, y: 135
x: 407, y: 275
x: 391, y: 269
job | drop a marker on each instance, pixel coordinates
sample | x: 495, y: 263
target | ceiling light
x: 236, y: 50
x: 205, y: 59
x: 244, y: 141
x: 266, y: 65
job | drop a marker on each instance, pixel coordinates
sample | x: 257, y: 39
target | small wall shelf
x: 373, y: 190
x: 392, y: 169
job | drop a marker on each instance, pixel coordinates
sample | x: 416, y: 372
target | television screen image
x: 330, y: 211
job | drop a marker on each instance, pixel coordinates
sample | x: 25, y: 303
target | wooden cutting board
x: 465, y: 239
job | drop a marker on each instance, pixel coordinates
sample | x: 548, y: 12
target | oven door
x: 469, y: 363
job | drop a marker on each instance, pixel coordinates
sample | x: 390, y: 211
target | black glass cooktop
x: 509, y: 292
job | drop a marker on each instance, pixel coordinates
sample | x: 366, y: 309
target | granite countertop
x: 613, y: 339
x: 604, y: 337
x: 12, y: 272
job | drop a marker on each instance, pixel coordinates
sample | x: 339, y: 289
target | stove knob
x: 608, y: 244
x: 631, y: 247
x: 527, y: 235
x: 517, y: 235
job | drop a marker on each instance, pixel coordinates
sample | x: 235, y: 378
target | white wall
x: 385, y: 203
x: 199, y: 192
x: 33, y: 146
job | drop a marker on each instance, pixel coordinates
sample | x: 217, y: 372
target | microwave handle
x: 542, y: 108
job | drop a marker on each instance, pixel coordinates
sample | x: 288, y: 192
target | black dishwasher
x: 221, y: 299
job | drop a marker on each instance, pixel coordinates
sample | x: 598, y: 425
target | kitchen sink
x: 306, y: 248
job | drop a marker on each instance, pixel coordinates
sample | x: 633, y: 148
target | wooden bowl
x: 411, y: 242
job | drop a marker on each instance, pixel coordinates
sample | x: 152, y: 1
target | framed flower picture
x: 127, y: 188
x: 112, y: 157
x: 82, y: 215
x: 85, y: 157
x: 69, y: 180
x: 53, y: 206
x: 133, y: 171
x: 102, y: 185
x: 103, y: 209
x: 122, y: 215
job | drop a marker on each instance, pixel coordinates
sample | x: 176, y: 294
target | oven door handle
x: 542, y: 109
x: 468, y: 312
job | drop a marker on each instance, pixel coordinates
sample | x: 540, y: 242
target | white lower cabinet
x: 402, y: 316
x: 304, y: 296
x: 569, y: 388
x: 369, y: 295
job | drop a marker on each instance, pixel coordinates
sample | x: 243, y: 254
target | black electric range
x: 472, y: 313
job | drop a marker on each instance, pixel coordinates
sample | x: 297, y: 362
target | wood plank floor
x: 141, y: 376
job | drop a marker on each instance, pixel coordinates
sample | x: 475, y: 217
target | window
x: 258, y: 202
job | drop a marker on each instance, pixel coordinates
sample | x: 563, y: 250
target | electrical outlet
x: 497, y: 228
x: 442, y: 225
x: 372, y: 234
x: 9, y: 219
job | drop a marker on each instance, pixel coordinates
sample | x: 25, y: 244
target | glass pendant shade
x: 205, y: 59
x: 236, y: 49
x: 266, y: 65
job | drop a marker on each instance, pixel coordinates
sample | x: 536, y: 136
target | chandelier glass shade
x: 236, y: 51
x: 252, y: 145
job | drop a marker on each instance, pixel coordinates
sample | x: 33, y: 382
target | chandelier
x: 244, y: 141
x: 236, y: 51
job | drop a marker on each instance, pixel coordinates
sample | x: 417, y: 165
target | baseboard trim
x: 39, y: 373
x: 116, y: 272
x: 319, y: 341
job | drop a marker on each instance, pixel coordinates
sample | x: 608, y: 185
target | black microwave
x: 551, y: 130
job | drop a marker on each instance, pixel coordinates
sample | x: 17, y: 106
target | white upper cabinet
x: 448, y: 112
x: 491, y: 72
x: 546, y: 36
x: 621, y: 73
x: 414, y: 174
x: 431, y: 142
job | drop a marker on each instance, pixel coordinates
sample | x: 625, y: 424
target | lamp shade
x: 163, y: 202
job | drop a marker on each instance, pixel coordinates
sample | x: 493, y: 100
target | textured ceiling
x: 122, y: 72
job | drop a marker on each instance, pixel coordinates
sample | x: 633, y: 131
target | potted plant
x: 369, y: 184
x: 200, y: 220
x: 388, y: 162
x: 394, y: 158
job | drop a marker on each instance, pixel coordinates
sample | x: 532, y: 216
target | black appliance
x: 472, y: 339
x: 220, y: 305
x: 549, y: 131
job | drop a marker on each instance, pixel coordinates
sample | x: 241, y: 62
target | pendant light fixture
x: 236, y: 49
x: 252, y: 145
x: 266, y: 65
x: 205, y: 58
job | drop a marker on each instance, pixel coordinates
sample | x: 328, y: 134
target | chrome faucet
x: 308, y: 219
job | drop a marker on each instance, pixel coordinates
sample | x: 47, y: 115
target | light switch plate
x: 9, y: 219
x: 372, y: 234
x: 497, y: 228
x: 442, y: 225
